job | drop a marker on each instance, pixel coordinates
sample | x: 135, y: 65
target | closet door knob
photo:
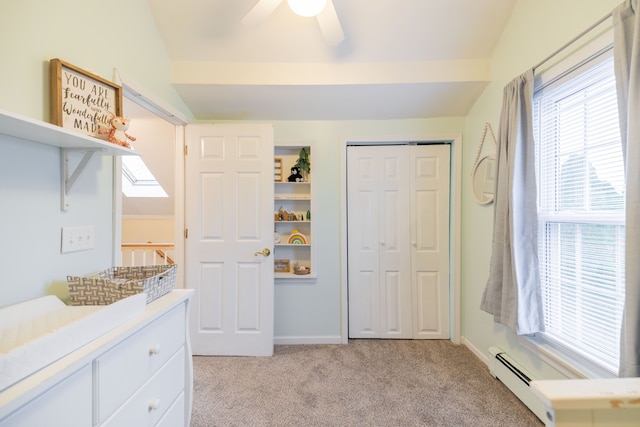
x: 381, y: 242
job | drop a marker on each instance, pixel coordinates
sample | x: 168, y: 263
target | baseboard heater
x: 516, y: 378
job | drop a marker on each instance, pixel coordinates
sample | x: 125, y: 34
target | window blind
x: 581, y: 226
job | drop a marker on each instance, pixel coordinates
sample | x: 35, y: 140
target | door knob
x: 265, y: 252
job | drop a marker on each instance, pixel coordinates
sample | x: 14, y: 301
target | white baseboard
x: 480, y: 355
x: 337, y: 339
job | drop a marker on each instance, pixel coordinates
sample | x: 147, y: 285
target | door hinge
x: 186, y: 233
x: 186, y: 150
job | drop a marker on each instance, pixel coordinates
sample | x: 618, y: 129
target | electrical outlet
x: 76, y: 239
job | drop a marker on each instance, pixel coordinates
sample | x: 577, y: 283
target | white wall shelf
x: 17, y: 126
x: 29, y: 129
x: 291, y: 197
x: 292, y: 276
x: 294, y: 222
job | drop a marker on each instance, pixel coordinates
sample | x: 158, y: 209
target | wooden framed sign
x: 281, y: 266
x: 277, y: 169
x: 80, y: 100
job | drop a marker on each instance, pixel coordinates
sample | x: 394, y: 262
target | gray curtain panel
x: 626, y: 51
x: 512, y: 292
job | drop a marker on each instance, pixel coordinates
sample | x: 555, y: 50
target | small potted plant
x: 303, y: 163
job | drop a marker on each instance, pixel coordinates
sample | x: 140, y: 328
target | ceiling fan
x: 324, y: 12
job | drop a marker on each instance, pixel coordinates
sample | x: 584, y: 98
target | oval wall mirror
x: 483, y: 180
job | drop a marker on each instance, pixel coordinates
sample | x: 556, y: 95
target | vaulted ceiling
x: 399, y: 58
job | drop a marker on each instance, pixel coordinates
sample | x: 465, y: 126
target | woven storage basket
x: 116, y: 283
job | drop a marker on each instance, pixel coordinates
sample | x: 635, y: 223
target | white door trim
x: 455, y: 231
x: 145, y: 98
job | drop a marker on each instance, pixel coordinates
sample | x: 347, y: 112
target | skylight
x: 138, y: 181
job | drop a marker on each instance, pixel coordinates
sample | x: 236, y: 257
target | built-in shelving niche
x: 295, y: 197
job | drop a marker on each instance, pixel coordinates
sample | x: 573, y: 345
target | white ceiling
x: 399, y: 59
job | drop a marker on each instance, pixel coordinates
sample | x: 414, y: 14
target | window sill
x: 570, y: 365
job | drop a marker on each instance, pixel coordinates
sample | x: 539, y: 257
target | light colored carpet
x: 363, y: 383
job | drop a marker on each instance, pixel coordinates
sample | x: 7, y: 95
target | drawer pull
x: 154, y: 405
x: 154, y: 349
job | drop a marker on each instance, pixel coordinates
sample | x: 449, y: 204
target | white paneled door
x: 430, y: 190
x: 229, y: 204
x: 398, y: 241
x: 378, y: 242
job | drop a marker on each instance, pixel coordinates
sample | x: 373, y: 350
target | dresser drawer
x: 67, y: 404
x: 174, y: 417
x: 126, y: 367
x: 148, y: 405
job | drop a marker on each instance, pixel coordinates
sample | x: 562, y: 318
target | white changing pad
x: 35, y: 333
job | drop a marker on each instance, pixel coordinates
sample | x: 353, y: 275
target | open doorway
x: 148, y: 196
x: 159, y: 132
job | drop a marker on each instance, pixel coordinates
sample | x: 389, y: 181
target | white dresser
x: 139, y: 374
x: 610, y: 402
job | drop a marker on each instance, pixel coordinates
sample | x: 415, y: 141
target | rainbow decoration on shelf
x: 297, y: 238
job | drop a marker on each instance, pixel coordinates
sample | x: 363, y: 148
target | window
x: 138, y: 180
x: 581, y: 218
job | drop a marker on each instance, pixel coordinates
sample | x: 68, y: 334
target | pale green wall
x: 537, y: 28
x: 94, y: 35
x: 314, y: 309
x: 98, y: 37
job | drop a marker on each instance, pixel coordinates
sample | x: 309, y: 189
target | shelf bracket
x: 67, y: 181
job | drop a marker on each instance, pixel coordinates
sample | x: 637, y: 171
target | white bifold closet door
x: 398, y: 241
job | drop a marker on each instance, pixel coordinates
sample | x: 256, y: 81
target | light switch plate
x: 74, y: 239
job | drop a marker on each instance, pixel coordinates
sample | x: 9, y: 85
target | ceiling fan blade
x: 261, y: 11
x: 330, y: 25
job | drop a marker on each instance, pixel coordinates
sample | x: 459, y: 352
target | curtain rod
x: 573, y: 40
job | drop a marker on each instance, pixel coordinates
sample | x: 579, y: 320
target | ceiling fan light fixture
x: 307, y: 7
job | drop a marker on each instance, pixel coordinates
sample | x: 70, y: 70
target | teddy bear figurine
x: 118, y: 132
x: 295, y: 175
